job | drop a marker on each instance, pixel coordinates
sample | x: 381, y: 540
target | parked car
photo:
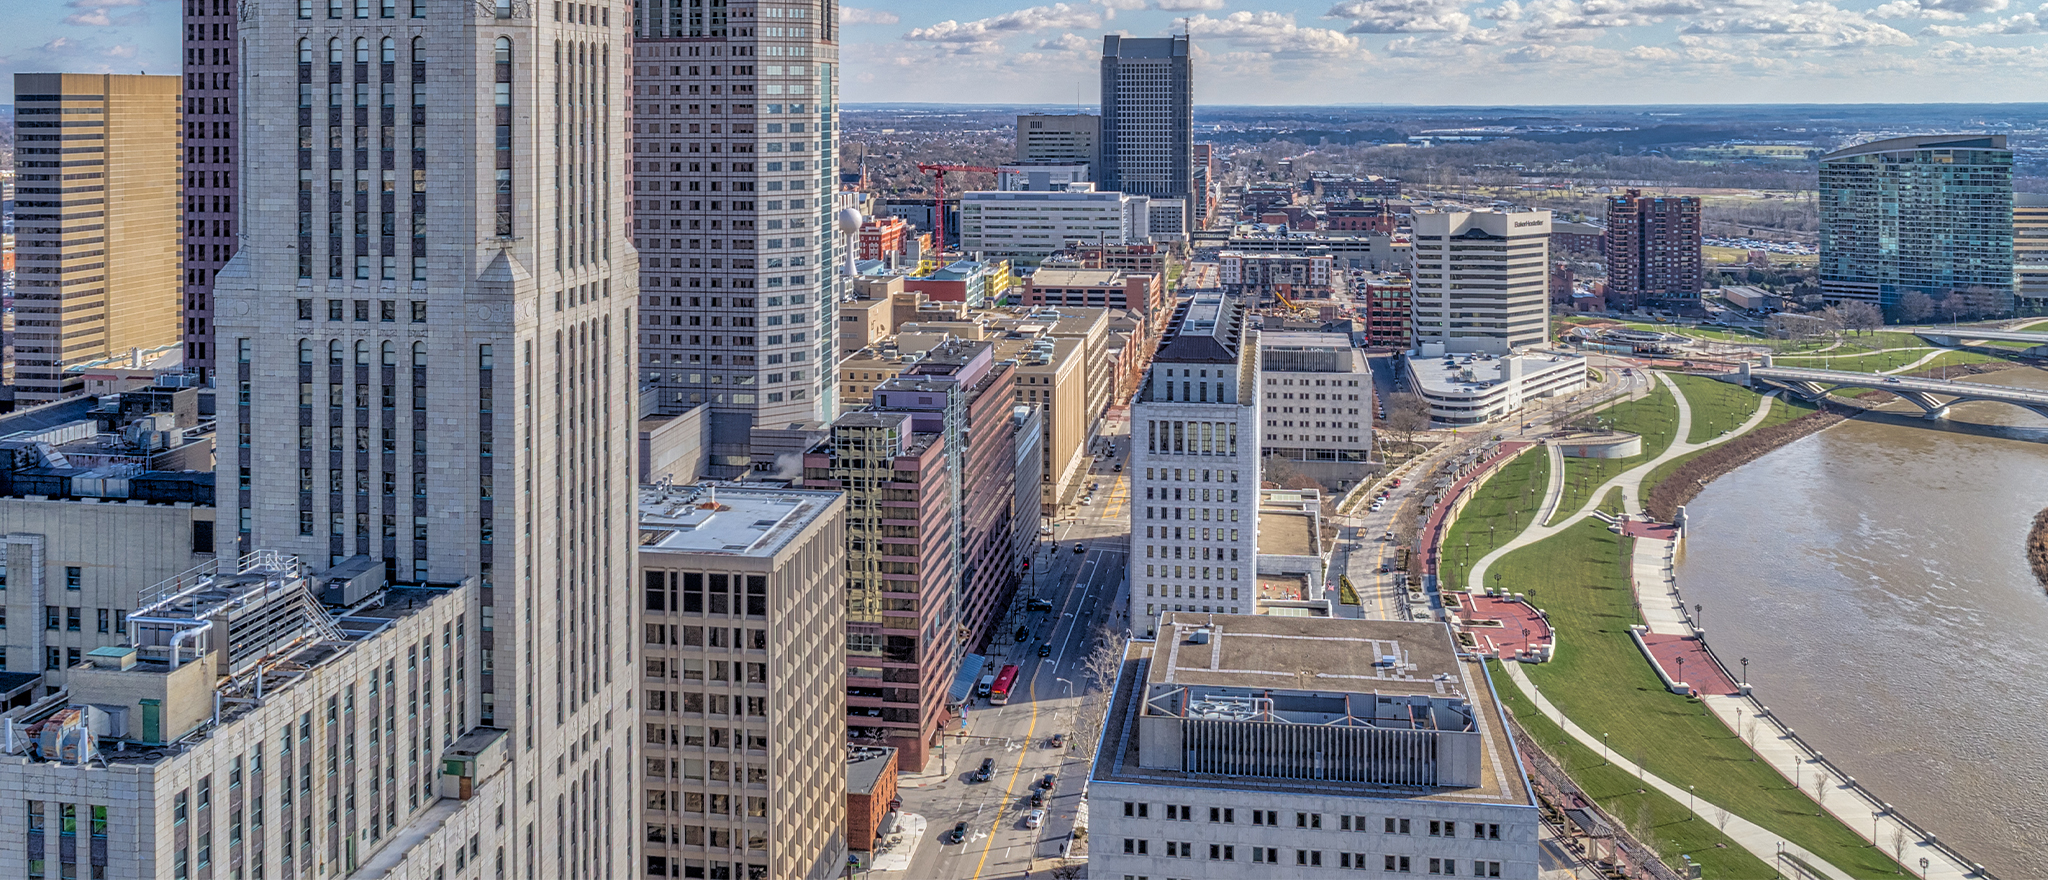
x: 1039, y: 605
x: 1038, y: 797
x: 1034, y: 818
x: 1059, y: 740
x: 1046, y: 782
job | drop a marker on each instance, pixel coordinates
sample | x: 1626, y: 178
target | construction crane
x: 939, y: 206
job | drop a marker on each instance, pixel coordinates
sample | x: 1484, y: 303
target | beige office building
x: 97, y: 217
x: 1481, y: 280
x: 743, y: 682
x: 1073, y: 137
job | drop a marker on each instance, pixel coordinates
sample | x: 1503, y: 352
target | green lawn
x: 1716, y: 406
x: 1782, y: 411
x: 1843, y: 359
x: 1658, y: 821
x: 1654, y: 416
x: 1500, y: 508
x: 1601, y: 681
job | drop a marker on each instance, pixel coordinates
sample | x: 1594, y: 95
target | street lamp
x: 1605, y: 757
x: 1745, y: 672
x: 1688, y: 802
x: 1699, y: 617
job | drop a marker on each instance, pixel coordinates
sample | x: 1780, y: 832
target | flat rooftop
x: 726, y: 520
x: 1318, y: 659
x: 1479, y: 373
x: 864, y: 766
x: 1078, y: 278
x: 1286, y: 533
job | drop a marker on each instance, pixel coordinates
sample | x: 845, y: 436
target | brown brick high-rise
x: 1653, y: 248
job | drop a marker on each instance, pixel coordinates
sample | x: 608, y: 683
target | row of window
x: 1313, y: 858
x: 1314, y: 821
x: 72, y: 619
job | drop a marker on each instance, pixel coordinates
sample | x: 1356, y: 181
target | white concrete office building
x: 1195, y: 467
x: 1481, y: 279
x: 1026, y: 227
x: 1277, y: 746
x: 460, y: 408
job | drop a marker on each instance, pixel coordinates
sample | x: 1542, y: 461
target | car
x: 1039, y: 605
x: 1059, y: 740
x: 988, y: 769
x: 1023, y: 633
x: 1034, y: 818
x: 1045, y: 782
x: 1080, y: 548
x: 1087, y: 499
x: 1045, y: 530
x: 1119, y: 466
x: 1037, y: 797
x: 1891, y: 378
x: 1397, y: 482
x: 959, y: 832
x: 1045, y: 649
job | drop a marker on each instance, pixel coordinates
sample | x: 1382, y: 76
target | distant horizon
x: 2043, y: 104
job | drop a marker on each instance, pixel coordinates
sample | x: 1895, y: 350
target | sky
x: 1332, y: 52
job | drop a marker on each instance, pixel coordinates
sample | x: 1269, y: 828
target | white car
x: 1034, y: 818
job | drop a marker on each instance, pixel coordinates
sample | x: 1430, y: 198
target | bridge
x: 1932, y: 396
x: 1959, y: 336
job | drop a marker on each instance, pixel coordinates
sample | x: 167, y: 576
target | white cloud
x: 1187, y: 5
x: 2023, y: 23
x: 1401, y: 16
x: 1275, y: 33
x: 1068, y: 43
x: 1813, y: 25
x: 101, y: 4
x: 852, y: 15
x: 90, y: 18
x: 1058, y: 16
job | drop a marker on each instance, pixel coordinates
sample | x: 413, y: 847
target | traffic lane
x: 1063, y: 807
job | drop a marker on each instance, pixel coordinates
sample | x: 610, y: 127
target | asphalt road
x: 1086, y: 590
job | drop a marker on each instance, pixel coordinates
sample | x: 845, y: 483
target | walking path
x: 1664, y: 613
x: 1916, y: 364
x: 1553, y: 494
x: 1629, y: 481
x: 1746, y: 834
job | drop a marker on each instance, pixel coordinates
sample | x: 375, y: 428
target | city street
x: 1086, y: 590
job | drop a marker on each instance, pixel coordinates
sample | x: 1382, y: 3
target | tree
x: 1822, y: 785
x: 1899, y: 843
x: 1407, y: 414
x: 1862, y: 316
x: 1914, y: 307
x: 1099, y: 671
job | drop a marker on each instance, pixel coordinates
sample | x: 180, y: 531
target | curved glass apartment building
x: 1929, y: 214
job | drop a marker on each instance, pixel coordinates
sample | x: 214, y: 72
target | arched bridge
x: 1959, y: 336
x: 1932, y: 396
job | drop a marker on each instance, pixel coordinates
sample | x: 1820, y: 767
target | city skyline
x: 1278, y: 52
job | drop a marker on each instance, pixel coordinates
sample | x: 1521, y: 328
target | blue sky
x: 1334, y: 51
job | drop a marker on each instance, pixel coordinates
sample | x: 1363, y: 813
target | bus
x: 999, y: 693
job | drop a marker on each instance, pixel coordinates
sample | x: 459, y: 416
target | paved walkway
x: 1440, y: 515
x: 1672, y: 634
x: 1630, y: 482
x: 1553, y: 494
x: 1916, y: 364
x: 1750, y: 836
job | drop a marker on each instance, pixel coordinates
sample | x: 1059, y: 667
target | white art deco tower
x: 428, y: 330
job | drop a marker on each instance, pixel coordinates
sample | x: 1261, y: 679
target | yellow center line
x: 1011, y: 785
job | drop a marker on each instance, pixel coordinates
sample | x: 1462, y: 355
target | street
x: 1086, y: 589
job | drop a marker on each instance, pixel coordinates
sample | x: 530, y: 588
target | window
x: 1222, y: 852
x: 1486, y: 830
x: 73, y: 577
x: 1222, y: 814
x: 1135, y: 847
x: 1442, y: 828
x: 1396, y: 864
x: 1396, y: 826
x: 1265, y: 817
x: 1266, y: 855
x: 1485, y: 868
x: 1180, y: 850
x: 1308, y: 820
x: 1308, y: 858
x: 1138, y: 810
x: 1447, y: 867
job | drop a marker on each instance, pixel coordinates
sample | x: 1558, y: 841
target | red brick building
x: 1653, y: 248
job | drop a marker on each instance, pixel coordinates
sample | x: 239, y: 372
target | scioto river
x: 1875, y: 576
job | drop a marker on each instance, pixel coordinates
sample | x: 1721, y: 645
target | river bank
x: 1845, y: 515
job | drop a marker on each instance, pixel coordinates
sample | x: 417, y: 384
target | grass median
x: 1601, y: 682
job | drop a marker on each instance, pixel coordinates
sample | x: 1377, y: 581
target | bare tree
x: 1407, y: 414
x: 1822, y: 785
x: 1914, y: 307
x: 1899, y: 845
x: 1721, y: 818
x: 1069, y: 870
x: 1863, y: 317
x: 1099, y: 671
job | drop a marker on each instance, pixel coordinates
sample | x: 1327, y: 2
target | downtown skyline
x: 1346, y: 52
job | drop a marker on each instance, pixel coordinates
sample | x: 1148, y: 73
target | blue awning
x: 963, y: 682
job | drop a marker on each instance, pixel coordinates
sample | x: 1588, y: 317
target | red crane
x: 939, y: 207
